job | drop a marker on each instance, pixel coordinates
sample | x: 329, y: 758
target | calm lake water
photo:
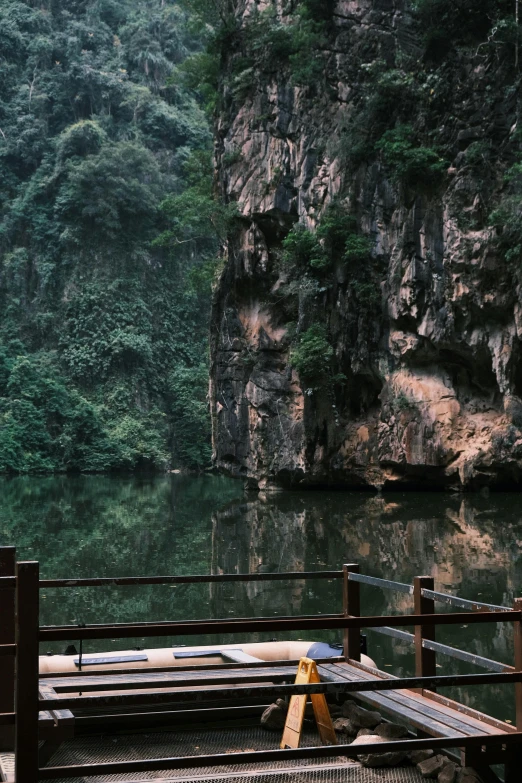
x: 100, y: 526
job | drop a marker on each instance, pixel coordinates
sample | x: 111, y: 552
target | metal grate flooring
x: 231, y: 740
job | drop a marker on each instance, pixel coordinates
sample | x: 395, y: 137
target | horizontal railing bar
x: 262, y: 756
x: 190, y: 668
x: 10, y: 581
x: 197, y: 695
x: 205, y: 715
x: 451, y: 652
x: 7, y: 718
x: 462, y: 655
x: 193, y: 579
x: 7, y: 649
x: 404, y: 636
x: 386, y: 584
x: 462, y: 603
x: 219, y: 621
x: 324, y: 622
x: 208, y: 625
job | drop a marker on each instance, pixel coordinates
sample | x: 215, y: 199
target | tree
x: 103, y: 332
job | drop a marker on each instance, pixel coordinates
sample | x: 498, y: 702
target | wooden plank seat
x: 54, y: 727
x: 164, y: 680
x: 429, y: 713
x: 86, y: 719
x: 171, y: 681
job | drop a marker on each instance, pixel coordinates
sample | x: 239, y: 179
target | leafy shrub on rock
x: 312, y: 356
x: 302, y: 249
x: 413, y: 164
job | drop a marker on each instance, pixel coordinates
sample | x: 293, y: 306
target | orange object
x: 307, y: 673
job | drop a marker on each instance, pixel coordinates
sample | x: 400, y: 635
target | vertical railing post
x: 514, y: 760
x: 351, y: 608
x: 7, y: 636
x: 26, y: 692
x: 425, y: 660
x: 517, y: 628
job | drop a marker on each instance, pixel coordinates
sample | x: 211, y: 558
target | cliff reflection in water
x: 470, y: 545
x: 99, y: 526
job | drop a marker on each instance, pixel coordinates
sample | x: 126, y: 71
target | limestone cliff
x: 426, y: 381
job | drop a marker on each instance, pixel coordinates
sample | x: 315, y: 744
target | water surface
x: 100, y: 526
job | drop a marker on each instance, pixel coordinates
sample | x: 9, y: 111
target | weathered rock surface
x: 391, y: 731
x: 388, y: 759
x: 360, y: 717
x: 345, y: 726
x: 433, y: 390
x: 468, y: 775
x: 273, y: 717
x: 417, y: 756
x: 432, y: 766
x: 366, y: 733
x: 448, y: 774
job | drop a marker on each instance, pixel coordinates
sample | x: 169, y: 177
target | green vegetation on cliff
x: 104, y: 258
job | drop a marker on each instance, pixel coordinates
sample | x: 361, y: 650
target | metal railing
x: 429, y: 595
x: 21, y: 634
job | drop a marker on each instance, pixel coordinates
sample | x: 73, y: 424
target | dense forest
x: 110, y: 230
x: 106, y: 242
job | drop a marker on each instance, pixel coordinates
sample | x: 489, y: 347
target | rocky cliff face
x: 427, y: 382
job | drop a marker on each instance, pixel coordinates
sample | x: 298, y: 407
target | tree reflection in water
x: 100, y: 526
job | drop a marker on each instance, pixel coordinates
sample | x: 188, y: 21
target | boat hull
x: 190, y: 656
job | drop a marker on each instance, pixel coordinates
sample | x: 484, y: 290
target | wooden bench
x: 429, y: 713
x: 206, y: 695
x: 208, y: 681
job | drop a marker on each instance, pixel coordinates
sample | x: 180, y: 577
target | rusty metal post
x: 514, y: 761
x: 7, y: 635
x: 425, y: 660
x: 517, y: 630
x: 26, y: 692
x: 351, y: 608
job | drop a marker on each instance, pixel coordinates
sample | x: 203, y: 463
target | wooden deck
x: 427, y: 712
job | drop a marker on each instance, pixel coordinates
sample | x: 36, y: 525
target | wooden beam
x: 189, y: 668
x: 197, y: 695
x: 121, y: 682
